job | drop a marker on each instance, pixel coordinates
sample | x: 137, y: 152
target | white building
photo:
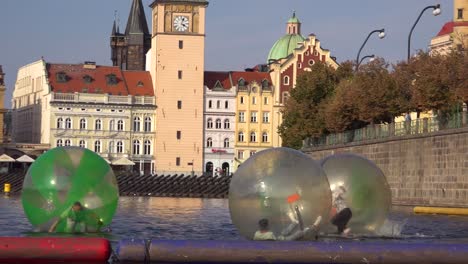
x: 100, y: 108
x: 219, y: 113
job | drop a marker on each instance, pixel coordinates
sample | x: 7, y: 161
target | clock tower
x: 177, y: 68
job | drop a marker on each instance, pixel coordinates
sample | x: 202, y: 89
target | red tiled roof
x: 127, y: 82
x: 251, y: 76
x: 211, y: 77
x: 448, y: 27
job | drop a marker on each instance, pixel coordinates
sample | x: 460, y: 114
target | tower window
x: 460, y: 13
x: 179, y: 104
x: 286, y: 80
x: 181, y: 44
x: 180, y: 75
x: 179, y: 135
x: 177, y: 161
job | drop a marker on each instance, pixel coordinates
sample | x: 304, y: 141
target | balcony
x: 75, y: 133
x: 102, y: 99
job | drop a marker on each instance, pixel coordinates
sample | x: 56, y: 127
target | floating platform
x: 440, y: 210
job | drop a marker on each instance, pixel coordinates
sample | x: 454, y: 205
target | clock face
x: 181, y: 23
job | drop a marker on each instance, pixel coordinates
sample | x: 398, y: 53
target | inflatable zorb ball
x: 281, y: 185
x: 65, y: 175
x: 364, y: 188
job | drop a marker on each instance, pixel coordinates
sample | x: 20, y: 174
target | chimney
x: 90, y: 65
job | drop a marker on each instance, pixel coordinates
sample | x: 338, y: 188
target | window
x: 84, y: 109
x: 227, y: 124
x: 265, y: 137
x: 254, y: 100
x: 98, y: 110
x: 241, y: 82
x: 87, y: 79
x: 136, y: 124
x: 68, y: 123
x: 241, y: 137
x: 253, y: 117
x: 266, y: 117
x: 112, y: 125
x: 82, y: 144
x: 299, y: 65
x: 136, y: 147
x: 460, y: 13
x: 177, y: 161
x: 111, y: 147
x: 120, y: 147
x: 68, y: 109
x: 265, y: 100
x: 265, y: 85
x: 242, y: 99
x: 59, y: 143
x: 60, y: 123
x: 181, y: 44
x: 97, y: 146
x: 252, y: 153
x: 147, y: 150
x: 218, y: 104
x: 210, y: 104
x: 286, y: 80
x: 179, y: 135
x: 61, y: 77
x: 209, y: 124
x: 209, y: 143
x: 148, y: 124
x: 83, y: 123
x: 218, y: 123
x: 140, y: 84
x: 242, y: 117
x: 240, y: 154
x: 226, y: 143
x: 285, y: 97
x: 316, y: 53
x: 311, y: 62
x: 67, y: 143
x: 179, y: 104
x: 120, y: 125
x: 111, y: 79
x: 226, y: 104
x: 98, y: 125
x: 253, y: 137
x: 179, y: 74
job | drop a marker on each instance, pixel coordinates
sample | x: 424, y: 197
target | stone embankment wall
x: 430, y: 169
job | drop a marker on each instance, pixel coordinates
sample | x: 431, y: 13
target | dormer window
x: 140, y: 84
x: 61, y: 77
x: 265, y: 84
x: 111, y: 79
x: 241, y: 82
x: 87, y: 79
x: 218, y: 86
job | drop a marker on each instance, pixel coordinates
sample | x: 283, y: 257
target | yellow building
x: 177, y: 67
x: 454, y: 34
x: 254, y: 108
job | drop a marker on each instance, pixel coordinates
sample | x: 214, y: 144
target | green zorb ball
x: 65, y: 175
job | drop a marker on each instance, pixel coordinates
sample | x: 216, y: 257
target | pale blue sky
x: 240, y: 33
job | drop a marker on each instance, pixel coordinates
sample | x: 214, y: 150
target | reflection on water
x: 206, y: 219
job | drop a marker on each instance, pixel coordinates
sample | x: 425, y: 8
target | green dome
x: 285, y: 46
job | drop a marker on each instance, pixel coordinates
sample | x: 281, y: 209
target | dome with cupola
x: 286, y: 44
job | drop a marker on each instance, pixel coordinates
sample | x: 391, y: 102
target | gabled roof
x: 139, y: 83
x: 136, y: 23
x: 211, y: 78
x: 250, y: 77
x: 448, y: 27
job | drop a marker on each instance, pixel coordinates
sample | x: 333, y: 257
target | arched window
x: 265, y: 84
x: 83, y: 123
x: 218, y: 124
x: 120, y: 147
x: 226, y: 143
x: 67, y: 143
x: 265, y: 137
x: 241, y: 137
x: 209, y: 123
x: 253, y: 137
x: 147, y: 147
x: 112, y: 125
x: 227, y: 124
x: 226, y: 104
x: 120, y: 125
x: 286, y: 80
x: 209, y: 143
x: 136, y: 147
x: 98, y: 125
x: 97, y: 146
x: 111, y: 147
x: 148, y: 124
x: 59, y: 143
x: 218, y: 104
x: 60, y: 123
x: 68, y: 123
x: 82, y: 144
x: 136, y: 124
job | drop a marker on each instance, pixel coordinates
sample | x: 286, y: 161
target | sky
x: 239, y: 33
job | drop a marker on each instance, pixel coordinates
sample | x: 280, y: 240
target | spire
x: 114, y: 27
x: 136, y: 23
x: 1, y: 76
x: 294, y: 25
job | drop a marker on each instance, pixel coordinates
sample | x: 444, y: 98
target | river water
x: 209, y: 219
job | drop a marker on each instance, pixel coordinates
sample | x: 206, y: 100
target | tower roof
x: 286, y: 44
x: 114, y: 29
x: 136, y: 23
x: 294, y: 19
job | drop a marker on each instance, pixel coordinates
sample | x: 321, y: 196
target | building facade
x: 104, y: 109
x: 177, y: 68
x: 220, y: 111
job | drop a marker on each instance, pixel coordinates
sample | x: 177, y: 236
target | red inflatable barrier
x: 53, y: 250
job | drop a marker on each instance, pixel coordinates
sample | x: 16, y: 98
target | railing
x: 383, y: 131
x: 102, y: 98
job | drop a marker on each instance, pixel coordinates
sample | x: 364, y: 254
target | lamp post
x: 381, y: 36
x: 371, y: 58
x: 435, y: 11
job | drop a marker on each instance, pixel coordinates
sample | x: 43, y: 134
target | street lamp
x: 370, y: 57
x: 435, y: 11
x: 381, y: 36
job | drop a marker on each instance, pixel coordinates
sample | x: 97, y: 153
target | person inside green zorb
x: 69, y: 190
